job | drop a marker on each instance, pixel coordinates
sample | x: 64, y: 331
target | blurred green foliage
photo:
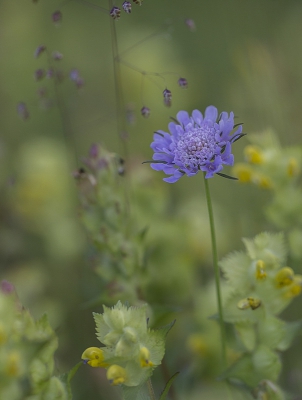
x: 243, y: 56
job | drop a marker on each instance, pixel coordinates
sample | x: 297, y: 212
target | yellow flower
x: 197, y: 344
x: 293, y: 167
x: 116, y: 375
x: 264, y: 182
x: 243, y: 172
x: 260, y: 273
x: 94, y: 357
x: 295, y: 288
x: 284, y: 277
x: 253, y: 154
x: 13, y: 366
x: 144, y: 357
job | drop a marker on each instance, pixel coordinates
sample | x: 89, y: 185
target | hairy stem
x: 217, y: 273
x: 150, y: 389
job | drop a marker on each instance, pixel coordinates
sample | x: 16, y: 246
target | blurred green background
x: 244, y: 56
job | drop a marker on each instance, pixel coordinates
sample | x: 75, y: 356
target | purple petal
x: 227, y: 157
x: 169, y: 170
x: 158, y: 167
x: 197, y: 116
x: 174, y: 178
x: 212, y: 167
x: 162, y: 157
x: 183, y: 117
x: 172, y: 128
x: 223, y: 116
x: 211, y: 113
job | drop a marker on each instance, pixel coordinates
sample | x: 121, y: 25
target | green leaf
x: 292, y: 329
x: 136, y: 392
x: 267, y: 247
x: 271, y: 332
x: 243, y: 370
x: 164, y: 393
x: 247, y: 334
x: 67, y: 377
x: 267, y: 363
x: 263, y: 364
x: 235, y: 268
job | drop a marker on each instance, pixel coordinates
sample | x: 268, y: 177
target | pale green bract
x: 132, y: 350
x: 27, y: 355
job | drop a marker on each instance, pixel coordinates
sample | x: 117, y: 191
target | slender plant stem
x: 217, y: 273
x: 150, y: 389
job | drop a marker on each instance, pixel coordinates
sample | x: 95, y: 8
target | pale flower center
x: 195, y: 147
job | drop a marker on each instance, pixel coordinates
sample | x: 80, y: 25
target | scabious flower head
x: 196, y: 143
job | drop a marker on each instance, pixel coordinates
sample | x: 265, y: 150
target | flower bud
x: 57, y: 56
x: 115, y: 13
x: 22, y: 111
x: 145, y: 111
x: 50, y: 73
x: 39, y: 74
x: 167, y: 94
x: 39, y: 50
x: 56, y: 16
x: 6, y: 287
x: 127, y: 7
x: 183, y: 83
x: 167, y: 102
x: 116, y: 375
x: 190, y: 24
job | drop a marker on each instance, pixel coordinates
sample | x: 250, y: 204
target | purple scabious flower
x: 195, y: 143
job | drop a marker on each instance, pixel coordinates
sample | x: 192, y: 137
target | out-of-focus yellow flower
x: 13, y: 364
x: 3, y: 335
x: 264, y: 182
x: 293, y: 167
x: 144, y: 357
x: 94, y: 357
x: 253, y: 154
x: 243, y: 172
x: 295, y: 288
x: 116, y: 375
x: 260, y: 270
x: 197, y: 344
x: 284, y: 277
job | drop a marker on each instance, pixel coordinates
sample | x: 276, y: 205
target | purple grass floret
x: 195, y: 143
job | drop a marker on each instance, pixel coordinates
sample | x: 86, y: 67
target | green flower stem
x: 217, y: 273
x: 150, y: 389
